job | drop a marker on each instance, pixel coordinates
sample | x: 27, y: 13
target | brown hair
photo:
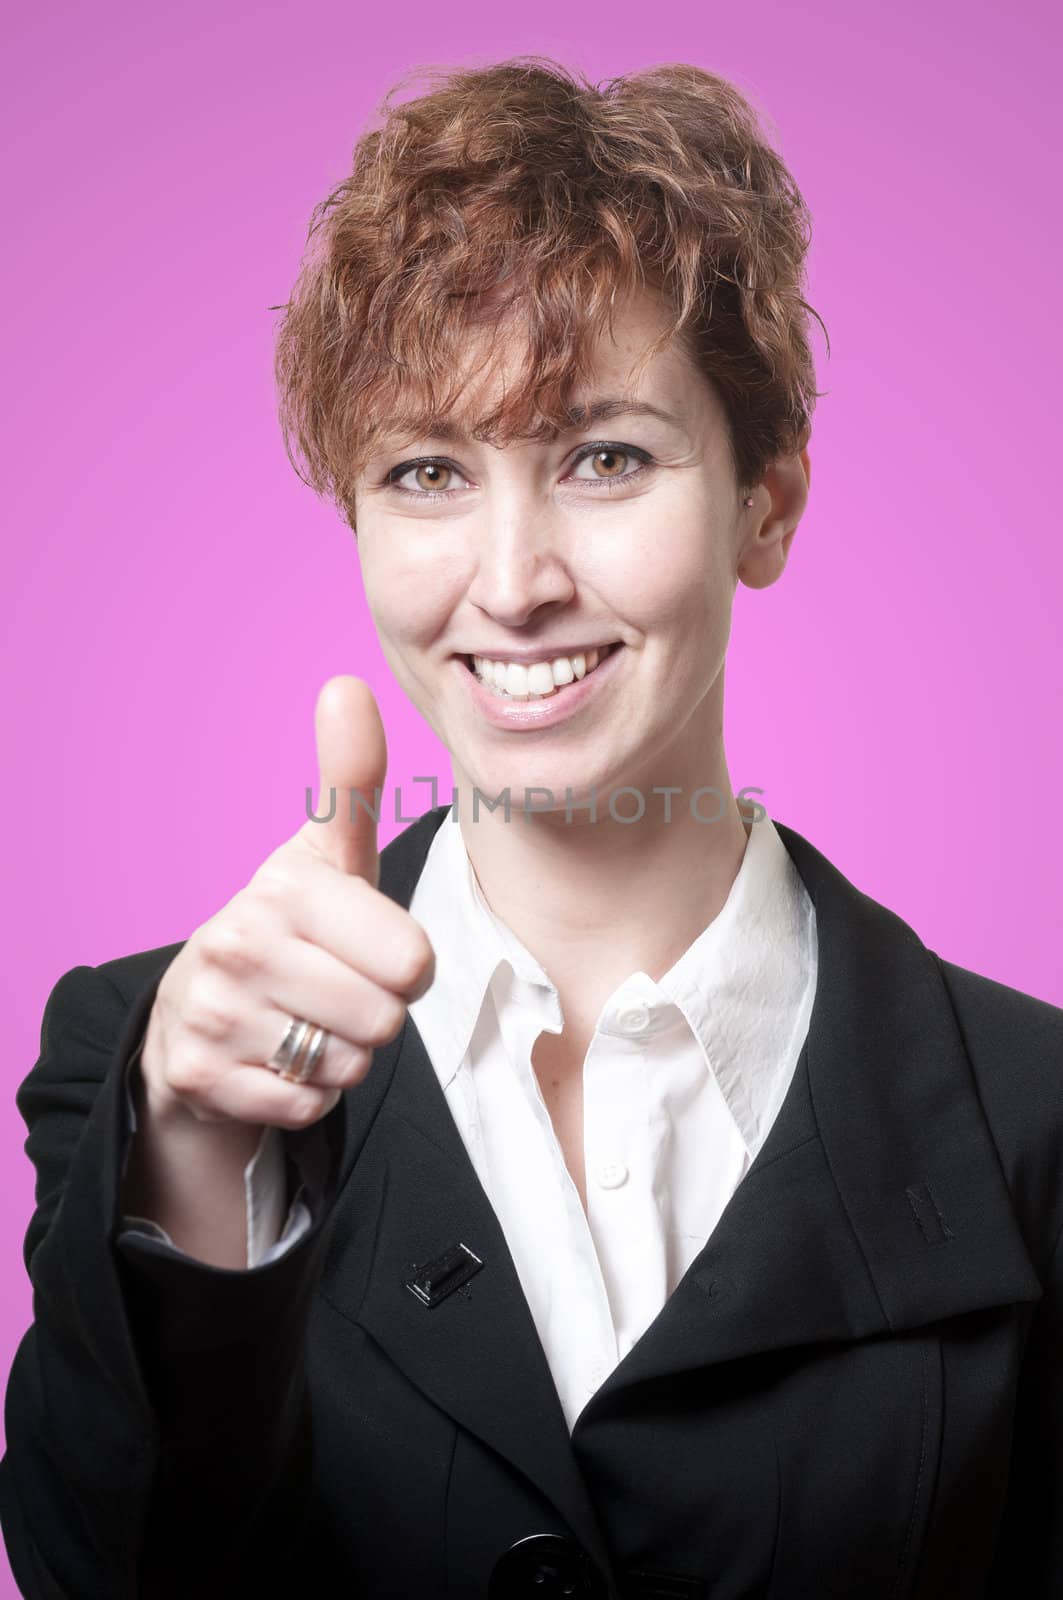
x: 521, y: 186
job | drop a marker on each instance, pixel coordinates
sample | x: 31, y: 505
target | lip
x: 529, y: 715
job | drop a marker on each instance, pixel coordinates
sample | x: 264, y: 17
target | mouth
x: 566, y: 677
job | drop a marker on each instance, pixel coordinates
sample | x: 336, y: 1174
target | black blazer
x: 855, y: 1391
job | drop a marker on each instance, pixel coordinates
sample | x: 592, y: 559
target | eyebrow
x: 581, y: 416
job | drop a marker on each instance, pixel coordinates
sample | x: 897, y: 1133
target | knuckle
x: 389, y: 1017
x: 275, y: 884
x: 306, y: 1108
x: 190, y: 1072
x: 356, y: 1066
x: 209, y: 1008
x: 228, y: 943
x: 413, y: 961
x: 353, y: 1067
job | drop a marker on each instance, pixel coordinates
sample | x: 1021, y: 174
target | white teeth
x: 515, y: 681
x: 538, y: 681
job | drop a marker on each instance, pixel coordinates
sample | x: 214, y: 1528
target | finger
x: 243, y: 1018
x: 362, y: 928
x: 255, y: 1042
x: 352, y: 762
x: 338, y: 1063
x: 304, y: 980
x: 255, y: 1094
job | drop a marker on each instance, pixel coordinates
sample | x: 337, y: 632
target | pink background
x: 175, y: 596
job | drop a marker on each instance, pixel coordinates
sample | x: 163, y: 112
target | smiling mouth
x: 522, y: 689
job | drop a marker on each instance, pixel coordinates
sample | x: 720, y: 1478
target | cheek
x: 675, y: 579
x: 408, y: 601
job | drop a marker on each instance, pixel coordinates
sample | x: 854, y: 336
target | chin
x: 534, y: 775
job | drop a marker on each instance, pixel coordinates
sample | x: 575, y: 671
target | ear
x: 767, y: 527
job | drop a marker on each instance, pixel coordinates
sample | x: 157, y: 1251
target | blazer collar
x: 876, y: 1204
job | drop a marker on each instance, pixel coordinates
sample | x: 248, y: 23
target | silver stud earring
x: 748, y: 501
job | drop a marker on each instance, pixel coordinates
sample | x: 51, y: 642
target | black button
x: 546, y: 1566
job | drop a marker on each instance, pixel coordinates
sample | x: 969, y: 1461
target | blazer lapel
x: 477, y: 1352
x: 877, y: 1201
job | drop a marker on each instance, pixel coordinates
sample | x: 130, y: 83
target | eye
x: 608, y: 463
x: 431, y: 476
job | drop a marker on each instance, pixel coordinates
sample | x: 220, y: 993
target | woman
x: 599, y: 1196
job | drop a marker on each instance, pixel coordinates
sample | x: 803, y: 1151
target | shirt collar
x: 744, y: 986
x: 470, y: 943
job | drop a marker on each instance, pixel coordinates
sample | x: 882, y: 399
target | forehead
x: 620, y: 373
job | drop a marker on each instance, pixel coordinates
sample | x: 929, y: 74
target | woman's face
x: 626, y: 532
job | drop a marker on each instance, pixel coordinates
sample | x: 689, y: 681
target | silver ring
x: 285, y: 1059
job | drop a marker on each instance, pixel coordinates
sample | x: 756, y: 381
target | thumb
x: 352, y: 759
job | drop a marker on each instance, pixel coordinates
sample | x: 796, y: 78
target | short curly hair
x: 521, y: 186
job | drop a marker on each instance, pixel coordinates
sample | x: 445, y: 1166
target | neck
x: 595, y: 900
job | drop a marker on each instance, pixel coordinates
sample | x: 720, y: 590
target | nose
x: 521, y: 565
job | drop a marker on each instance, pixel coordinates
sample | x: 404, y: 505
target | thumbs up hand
x: 310, y: 938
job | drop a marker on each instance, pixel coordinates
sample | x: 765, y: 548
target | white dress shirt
x: 682, y: 1081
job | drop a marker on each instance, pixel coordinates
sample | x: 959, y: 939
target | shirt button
x: 597, y: 1374
x: 633, y: 1019
x: 611, y: 1174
